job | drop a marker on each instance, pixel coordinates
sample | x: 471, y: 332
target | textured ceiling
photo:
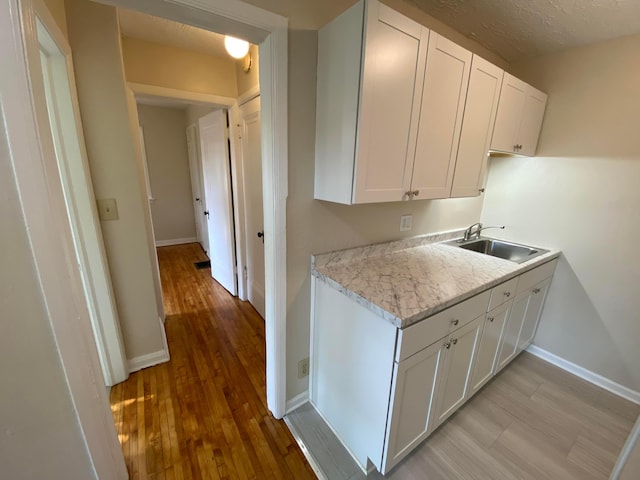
x: 165, y: 32
x: 518, y: 29
x: 513, y: 29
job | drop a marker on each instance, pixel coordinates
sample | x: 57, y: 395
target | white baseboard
x: 151, y: 359
x: 297, y: 401
x: 585, y: 374
x: 175, y: 241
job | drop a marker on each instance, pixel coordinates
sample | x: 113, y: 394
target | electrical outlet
x: 303, y: 367
x: 406, y: 222
x: 107, y: 209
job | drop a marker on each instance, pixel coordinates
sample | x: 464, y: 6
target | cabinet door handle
x: 491, y: 319
x: 454, y: 341
x: 507, y: 294
x: 455, y: 322
x: 409, y: 194
x: 536, y: 290
x: 447, y: 345
x: 481, y: 190
x: 416, y: 193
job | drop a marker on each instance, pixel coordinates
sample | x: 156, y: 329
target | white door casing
x: 32, y: 156
x: 195, y: 172
x: 214, y: 146
x: 254, y: 219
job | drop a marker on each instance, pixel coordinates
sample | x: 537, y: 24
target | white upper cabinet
x: 477, y: 127
x: 370, y: 62
x: 443, y: 101
x: 519, y: 118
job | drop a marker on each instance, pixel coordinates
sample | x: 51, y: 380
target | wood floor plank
x: 203, y: 415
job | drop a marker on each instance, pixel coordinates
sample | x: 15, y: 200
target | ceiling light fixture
x: 235, y: 47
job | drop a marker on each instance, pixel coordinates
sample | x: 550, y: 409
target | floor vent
x: 201, y: 265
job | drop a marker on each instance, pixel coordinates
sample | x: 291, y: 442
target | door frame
x: 40, y: 194
x: 142, y: 91
x: 270, y: 32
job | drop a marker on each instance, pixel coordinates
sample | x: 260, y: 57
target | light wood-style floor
x: 533, y: 421
x: 204, y: 414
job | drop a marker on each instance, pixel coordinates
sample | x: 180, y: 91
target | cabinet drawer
x: 530, y: 278
x: 503, y: 292
x: 416, y: 337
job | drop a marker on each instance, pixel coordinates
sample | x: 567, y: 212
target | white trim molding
x: 297, y: 401
x: 250, y: 94
x: 151, y: 359
x: 176, y: 241
x: 632, y: 443
x: 585, y: 374
x: 141, y: 91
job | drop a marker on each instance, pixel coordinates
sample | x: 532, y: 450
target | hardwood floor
x: 533, y: 421
x: 204, y: 413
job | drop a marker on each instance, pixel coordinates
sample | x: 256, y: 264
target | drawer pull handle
x: 507, y: 294
x: 447, y: 345
x: 454, y: 341
x: 536, y: 290
x: 491, y: 319
x: 455, y: 322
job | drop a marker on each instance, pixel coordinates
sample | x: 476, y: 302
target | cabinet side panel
x: 477, y: 127
x: 338, y: 84
x: 352, y: 366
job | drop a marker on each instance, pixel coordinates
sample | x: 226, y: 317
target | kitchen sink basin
x: 497, y: 248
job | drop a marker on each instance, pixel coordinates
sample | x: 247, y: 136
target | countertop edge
x: 413, y: 319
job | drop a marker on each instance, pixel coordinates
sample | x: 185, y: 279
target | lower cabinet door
x: 511, y: 332
x: 534, y: 309
x: 488, y: 345
x: 412, y: 399
x: 453, y: 386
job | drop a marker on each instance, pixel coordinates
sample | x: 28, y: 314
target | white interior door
x: 214, y: 147
x: 195, y: 170
x: 254, y: 222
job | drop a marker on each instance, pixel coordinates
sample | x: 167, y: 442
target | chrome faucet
x: 473, y: 232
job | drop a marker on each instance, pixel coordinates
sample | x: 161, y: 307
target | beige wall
x: 154, y: 64
x: 314, y: 226
x: 56, y: 7
x: 116, y: 171
x: 247, y: 80
x: 40, y: 433
x: 168, y: 163
x: 580, y: 194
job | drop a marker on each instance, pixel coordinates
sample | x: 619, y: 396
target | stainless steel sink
x: 497, y: 248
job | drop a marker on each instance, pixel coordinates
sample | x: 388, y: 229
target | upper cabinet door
x: 509, y: 114
x: 477, y: 127
x: 519, y: 117
x: 394, y: 57
x: 529, y: 131
x: 443, y: 98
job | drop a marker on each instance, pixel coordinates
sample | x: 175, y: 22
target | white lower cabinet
x: 456, y: 369
x: 380, y: 413
x: 412, y: 401
x: 488, y: 345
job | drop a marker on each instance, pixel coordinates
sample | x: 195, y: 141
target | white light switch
x: 107, y: 209
x: 406, y: 222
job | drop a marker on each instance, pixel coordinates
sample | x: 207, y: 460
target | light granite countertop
x: 408, y: 280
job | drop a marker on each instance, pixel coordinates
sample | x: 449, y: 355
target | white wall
x: 116, y: 172
x: 581, y: 194
x: 314, y: 226
x: 168, y: 164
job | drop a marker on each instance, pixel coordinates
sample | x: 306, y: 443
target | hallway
x: 204, y: 413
